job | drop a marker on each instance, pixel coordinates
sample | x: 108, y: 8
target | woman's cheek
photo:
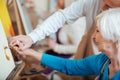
x: 108, y: 48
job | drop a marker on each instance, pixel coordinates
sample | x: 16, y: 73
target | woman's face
x: 106, y: 46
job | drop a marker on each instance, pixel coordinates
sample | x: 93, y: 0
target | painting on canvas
x: 5, y: 19
x: 6, y: 30
x: 6, y: 59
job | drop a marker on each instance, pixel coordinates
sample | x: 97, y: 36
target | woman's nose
x: 93, y: 36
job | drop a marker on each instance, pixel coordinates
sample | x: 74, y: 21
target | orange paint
x: 5, y: 19
x: 5, y: 47
x: 6, y: 55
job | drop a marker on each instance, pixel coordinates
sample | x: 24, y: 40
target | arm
x: 65, y: 49
x: 88, y: 66
x: 69, y: 43
x: 57, y: 20
x: 51, y: 25
x: 81, y: 67
x: 70, y: 36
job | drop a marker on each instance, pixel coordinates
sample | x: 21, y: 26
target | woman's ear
x: 117, y: 44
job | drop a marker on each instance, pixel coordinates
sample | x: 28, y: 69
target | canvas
x: 5, y: 19
x: 6, y: 60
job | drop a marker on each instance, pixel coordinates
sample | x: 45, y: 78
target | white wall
x: 41, y: 4
x: 41, y: 8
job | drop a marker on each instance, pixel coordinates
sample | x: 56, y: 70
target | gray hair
x: 109, y: 24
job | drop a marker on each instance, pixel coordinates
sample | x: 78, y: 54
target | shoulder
x: 98, y: 58
x: 116, y: 76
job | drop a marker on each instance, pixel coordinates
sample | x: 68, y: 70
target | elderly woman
x: 105, y: 65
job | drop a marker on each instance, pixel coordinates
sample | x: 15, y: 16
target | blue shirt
x: 87, y: 66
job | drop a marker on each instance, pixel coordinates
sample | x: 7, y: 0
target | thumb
x: 23, y: 46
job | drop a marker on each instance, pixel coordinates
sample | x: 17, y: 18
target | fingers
x: 12, y: 43
x: 17, y: 45
x: 22, y: 42
x: 30, y: 55
x: 20, y: 52
x: 23, y: 46
x: 15, y: 41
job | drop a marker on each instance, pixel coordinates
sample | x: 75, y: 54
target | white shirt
x: 70, y: 36
x: 79, y: 8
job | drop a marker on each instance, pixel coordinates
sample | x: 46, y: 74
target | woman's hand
x: 30, y: 56
x: 20, y: 42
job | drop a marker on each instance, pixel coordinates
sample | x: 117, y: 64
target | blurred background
x: 25, y: 15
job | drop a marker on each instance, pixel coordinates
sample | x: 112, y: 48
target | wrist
x: 33, y: 37
x: 31, y: 41
x: 56, y: 47
x: 38, y: 56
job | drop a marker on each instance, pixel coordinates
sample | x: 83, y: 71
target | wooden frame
x: 15, y: 70
x: 15, y: 74
x: 18, y: 19
x: 24, y: 16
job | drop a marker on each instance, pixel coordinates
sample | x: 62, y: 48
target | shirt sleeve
x: 86, y: 66
x: 65, y: 49
x: 116, y: 76
x: 51, y: 25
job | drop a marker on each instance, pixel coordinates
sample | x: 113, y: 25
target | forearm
x: 59, y: 64
x: 65, y: 49
x: 69, y: 67
x: 51, y: 25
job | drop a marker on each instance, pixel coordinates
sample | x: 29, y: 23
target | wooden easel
x: 18, y: 19
x: 15, y: 74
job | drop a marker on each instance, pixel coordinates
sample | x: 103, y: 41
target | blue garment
x: 88, y: 66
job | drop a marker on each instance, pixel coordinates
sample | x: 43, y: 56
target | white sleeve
x: 70, y: 37
x: 66, y: 49
x: 58, y: 19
